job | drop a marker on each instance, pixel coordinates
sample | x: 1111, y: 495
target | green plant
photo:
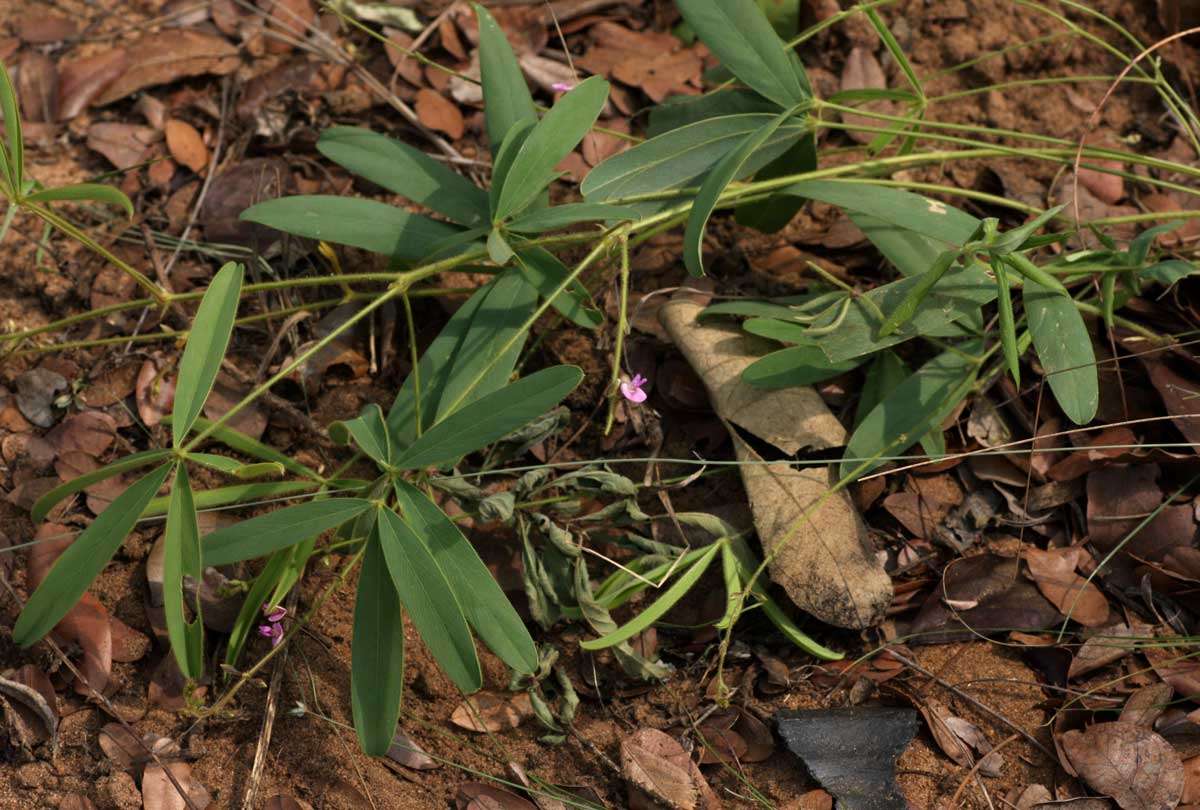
x: 750, y: 146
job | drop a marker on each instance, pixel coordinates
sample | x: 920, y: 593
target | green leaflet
x: 181, y: 558
x: 236, y: 440
x: 542, y: 270
x: 366, y: 224
x: 552, y: 139
x: 506, y: 153
x: 235, y: 468
x: 743, y: 39
x: 406, y: 171
x: 47, y: 502
x: 499, y: 251
x: 655, y: 611
x: 680, y: 111
x: 562, y: 216
x: 727, y: 168
x: 376, y: 653
x: 237, y: 493
x: 369, y: 431
x: 910, y: 410
x: 489, y: 418
x: 907, y: 308
x: 462, y: 352
x: 264, y: 534
x: 84, y: 192
x: 12, y: 126
x: 1064, y: 348
x: 429, y: 600
x: 506, y: 99
x: 484, y: 604
x: 1008, y: 324
x: 206, y: 344
x: 795, y: 365
x: 680, y: 157
x: 84, y: 559
x: 248, y: 616
x: 886, y: 372
x: 773, y: 213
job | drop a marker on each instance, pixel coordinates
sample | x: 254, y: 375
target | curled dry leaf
x: 164, y: 56
x: 491, y: 712
x: 439, y: 113
x: 31, y: 720
x: 1133, y: 765
x: 186, y: 144
x: 1053, y: 571
x: 825, y: 561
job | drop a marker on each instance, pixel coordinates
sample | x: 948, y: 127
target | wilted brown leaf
x: 164, y: 56
x: 1181, y: 398
x: 1105, y: 646
x: 655, y: 62
x: 654, y: 763
x: 111, y: 385
x: 154, y: 393
x: 1053, y: 571
x: 82, y: 80
x: 490, y: 712
x: 439, y: 113
x: 90, y: 432
x: 186, y: 145
x: 124, y: 145
x: 290, y: 20
x: 30, y: 719
x: 1136, y: 767
x: 158, y: 792
x: 1146, y: 704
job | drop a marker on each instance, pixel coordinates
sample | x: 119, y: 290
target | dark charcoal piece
x: 852, y: 752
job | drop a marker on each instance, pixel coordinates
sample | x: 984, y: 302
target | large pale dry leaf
x: 1146, y: 704
x: 654, y: 763
x: 824, y: 560
x: 1107, y: 645
x: 1133, y: 765
x: 481, y: 796
x: 158, y: 793
x: 84, y: 79
x: 125, y: 145
x: 164, y: 56
x: 409, y: 753
x: 1053, y: 571
x: 490, y: 712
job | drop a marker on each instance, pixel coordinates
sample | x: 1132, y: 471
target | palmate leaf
x: 427, y: 596
x: 742, y: 38
x: 376, y: 653
x: 181, y: 558
x: 406, y: 171
x: 910, y: 410
x: 484, y: 604
x: 552, y: 139
x: 1064, y: 348
x: 489, y: 418
x: 506, y: 98
x: 206, y: 344
x: 366, y: 224
x: 264, y: 534
x: 84, y: 559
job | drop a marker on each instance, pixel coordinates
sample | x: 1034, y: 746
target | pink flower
x: 274, y: 614
x: 632, y: 389
x: 273, y: 631
x: 562, y: 87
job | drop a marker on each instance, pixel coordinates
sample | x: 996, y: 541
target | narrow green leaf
x: 714, y: 185
x: 467, y: 344
x: 12, y: 126
x: 1008, y: 324
x: 773, y: 213
x: 44, y: 504
x: 897, y: 53
x: 235, y: 468
x: 1013, y: 240
x: 506, y: 99
x: 1169, y: 272
x: 681, y: 157
x: 655, y: 611
x: 366, y: 224
x: 264, y: 534
x: 930, y: 218
x: 680, y: 111
x: 84, y: 192
x: 376, y: 654
x: 240, y: 442
x: 796, y: 365
x: 1033, y: 273
x: 545, y: 273
x: 206, y: 344
x: 489, y: 418
x: 1064, y: 348
x: 429, y: 600
x: 181, y: 558
x: 783, y: 331
x: 406, y: 171
x: 506, y: 153
x: 484, y: 604
x: 369, y: 431
x: 738, y: 33
x: 909, y: 411
x: 84, y: 559
x: 238, y: 493
x: 498, y: 248
x: 886, y: 372
x: 248, y: 616
x: 562, y: 216
x: 551, y: 140
x: 907, y: 308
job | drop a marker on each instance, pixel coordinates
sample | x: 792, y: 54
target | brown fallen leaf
x: 38, y: 88
x: 90, y: 432
x: 655, y: 764
x: 186, y: 144
x: 862, y: 71
x: 158, y: 792
x: 655, y: 62
x: 111, y: 385
x: 480, y: 796
x: 1146, y: 704
x: 491, y: 712
x: 82, y: 80
x: 282, y: 802
x: 1191, y: 781
x: 43, y: 28
x: 289, y: 20
x: 409, y: 753
x: 164, y: 56
x: 1133, y: 765
x: 125, y: 145
x: 1107, y: 645
x: 1181, y: 398
x: 28, y: 717
x: 76, y: 802
x: 153, y: 392
x: 1053, y: 571
x: 439, y: 113
x: 720, y: 745
x: 824, y: 560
